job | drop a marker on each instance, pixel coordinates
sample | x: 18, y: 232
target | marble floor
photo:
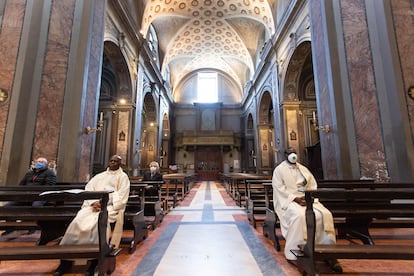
x: 207, y: 234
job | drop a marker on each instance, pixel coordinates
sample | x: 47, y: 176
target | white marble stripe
x: 197, y: 250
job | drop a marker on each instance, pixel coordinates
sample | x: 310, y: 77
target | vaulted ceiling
x: 221, y: 35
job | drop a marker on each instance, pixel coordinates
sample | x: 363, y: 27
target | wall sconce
x: 99, y: 127
x: 325, y: 128
x: 411, y: 92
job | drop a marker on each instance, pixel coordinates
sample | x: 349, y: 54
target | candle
x: 101, y: 116
x: 314, y: 116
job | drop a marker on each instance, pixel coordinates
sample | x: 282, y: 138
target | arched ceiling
x: 222, y: 35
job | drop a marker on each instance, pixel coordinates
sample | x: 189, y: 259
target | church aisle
x: 208, y: 241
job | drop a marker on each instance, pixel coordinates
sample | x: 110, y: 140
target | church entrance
x: 209, y: 162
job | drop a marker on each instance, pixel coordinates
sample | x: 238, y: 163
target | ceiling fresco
x: 222, y: 35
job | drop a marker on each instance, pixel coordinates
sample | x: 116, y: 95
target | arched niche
x: 165, y: 142
x: 265, y: 133
x: 300, y: 108
x: 149, y: 132
x: 250, y: 148
x: 115, y: 109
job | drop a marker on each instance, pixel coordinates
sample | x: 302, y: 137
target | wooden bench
x: 271, y: 221
x: 152, y: 205
x: 258, y: 199
x: 260, y: 208
x: 360, y: 207
x: 235, y: 184
x: 348, y: 226
x: 169, y: 194
x: 225, y: 180
x: 55, y: 229
x: 133, y: 216
x: 102, y: 252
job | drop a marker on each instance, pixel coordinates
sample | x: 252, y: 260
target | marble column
x: 81, y: 101
x: 54, y: 54
x: 360, y: 91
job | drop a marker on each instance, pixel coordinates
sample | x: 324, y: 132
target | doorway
x: 208, y: 162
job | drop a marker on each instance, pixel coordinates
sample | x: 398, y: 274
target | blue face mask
x: 39, y: 165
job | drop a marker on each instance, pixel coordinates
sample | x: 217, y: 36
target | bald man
x: 290, y: 180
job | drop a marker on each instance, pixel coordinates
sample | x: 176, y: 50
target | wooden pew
x: 260, y: 208
x: 359, y: 207
x: 102, y: 252
x: 225, y: 180
x: 236, y: 185
x: 169, y: 194
x: 342, y: 224
x: 271, y: 221
x: 153, y: 205
x: 258, y: 199
x: 176, y: 187
x: 55, y: 228
x: 133, y: 216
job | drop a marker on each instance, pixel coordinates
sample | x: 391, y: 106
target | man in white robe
x: 84, y: 227
x: 289, y: 181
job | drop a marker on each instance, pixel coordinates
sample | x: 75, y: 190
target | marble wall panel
x: 49, y: 116
x: 93, y: 82
x: 321, y: 86
x: 363, y: 90
x: 403, y: 15
x: 10, y: 33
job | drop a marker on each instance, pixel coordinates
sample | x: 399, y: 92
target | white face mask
x: 153, y: 169
x: 292, y: 158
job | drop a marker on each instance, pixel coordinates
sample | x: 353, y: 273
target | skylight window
x: 207, y: 88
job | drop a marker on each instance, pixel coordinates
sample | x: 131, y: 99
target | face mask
x: 39, y: 165
x: 292, y: 158
x: 153, y: 169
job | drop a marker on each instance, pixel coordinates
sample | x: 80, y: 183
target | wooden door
x: 208, y: 162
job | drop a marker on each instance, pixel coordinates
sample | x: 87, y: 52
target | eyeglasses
x: 116, y: 161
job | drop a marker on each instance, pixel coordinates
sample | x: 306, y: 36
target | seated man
x: 39, y: 174
x: 84, y: 229
x: 289, y: 181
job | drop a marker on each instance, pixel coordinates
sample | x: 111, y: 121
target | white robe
x: 288, y: 182
x: 84, y: 227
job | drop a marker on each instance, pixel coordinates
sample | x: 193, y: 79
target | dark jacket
x: 39, y: 177
x: 148, y: 177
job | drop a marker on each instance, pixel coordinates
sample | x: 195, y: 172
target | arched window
x: 207, y: 88
x: 153, y: 43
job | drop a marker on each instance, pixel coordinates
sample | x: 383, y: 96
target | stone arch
x: 300, y: 108
x: 149, y: 134
x: 115, y: 108
x: 265, y: 128
x: 298, y: 64
x: 165, y: 142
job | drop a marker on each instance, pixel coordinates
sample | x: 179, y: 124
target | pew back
x: 359, y: 207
